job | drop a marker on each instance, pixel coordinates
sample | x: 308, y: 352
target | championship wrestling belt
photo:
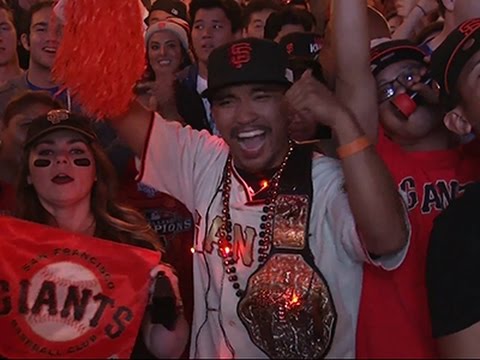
x: 287, y: 306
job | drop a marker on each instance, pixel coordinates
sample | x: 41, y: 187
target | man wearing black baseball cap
x: 452, y: 263
x: 268, y: 210
x: 164, y: 9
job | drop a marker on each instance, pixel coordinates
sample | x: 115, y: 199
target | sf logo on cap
x: 240, y: 54
x: 56, y: 116
x: 290, y: 48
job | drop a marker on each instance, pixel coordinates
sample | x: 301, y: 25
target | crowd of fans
x: 401, y: 75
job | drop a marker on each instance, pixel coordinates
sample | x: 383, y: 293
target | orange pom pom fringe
x: 101, y: 54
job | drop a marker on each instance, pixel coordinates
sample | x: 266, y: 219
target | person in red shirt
x: 428, y: 164
x: 13, y: 127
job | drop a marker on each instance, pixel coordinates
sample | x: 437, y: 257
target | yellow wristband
x: 353, y: 148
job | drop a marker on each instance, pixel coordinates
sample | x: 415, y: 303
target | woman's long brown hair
x: 114, y: 221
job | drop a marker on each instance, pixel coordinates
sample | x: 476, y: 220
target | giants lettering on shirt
x: 436, y: 196
x: 243, y: 240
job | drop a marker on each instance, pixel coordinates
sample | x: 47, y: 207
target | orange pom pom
x: 101, y: 54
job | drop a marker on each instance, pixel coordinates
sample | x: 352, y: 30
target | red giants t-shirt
x: 394, y: 318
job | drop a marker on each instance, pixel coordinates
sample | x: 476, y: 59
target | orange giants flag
x: 65, y: 295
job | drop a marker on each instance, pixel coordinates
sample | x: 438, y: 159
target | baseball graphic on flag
x: 65, y: 295
x: 72, y: 283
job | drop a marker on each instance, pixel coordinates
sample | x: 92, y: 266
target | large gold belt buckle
x: 288, y: 310
x: 287, y: 307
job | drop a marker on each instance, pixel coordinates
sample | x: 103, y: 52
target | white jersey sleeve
x: 352, y: 242
x: 342, y: 222
x: 178, y: 160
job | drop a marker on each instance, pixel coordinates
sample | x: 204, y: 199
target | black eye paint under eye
x: 42, y: 163
x: 82, y: 162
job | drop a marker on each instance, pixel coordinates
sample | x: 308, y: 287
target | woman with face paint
x: 67, y: 181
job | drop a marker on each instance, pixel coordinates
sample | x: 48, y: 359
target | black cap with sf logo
x: 247, y: 61
x: 302, y: 44
x: 450, y: 58
x: 56, y: 120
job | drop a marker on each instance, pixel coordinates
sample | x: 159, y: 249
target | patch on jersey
x: 167, y: 223
x: 147, y: 190
x: 290, y: 222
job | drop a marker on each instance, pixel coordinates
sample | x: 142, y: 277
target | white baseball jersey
x: 189, y: 165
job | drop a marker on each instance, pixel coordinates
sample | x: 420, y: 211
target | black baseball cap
x: 247, y: 61
x: 302, y: 44
x: 391, y: 52
x: 56, y: 120
x: 174, y: 7
x: 449, y: 59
